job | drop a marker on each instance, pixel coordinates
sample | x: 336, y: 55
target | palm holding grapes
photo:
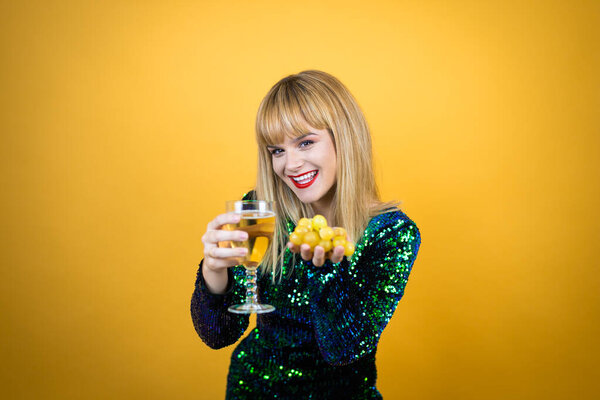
x: 315, y: 240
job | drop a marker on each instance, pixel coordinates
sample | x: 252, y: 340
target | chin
x: 306, y: 198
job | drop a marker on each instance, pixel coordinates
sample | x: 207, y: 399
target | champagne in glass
x: 258, y: 220
x: 260, y: 228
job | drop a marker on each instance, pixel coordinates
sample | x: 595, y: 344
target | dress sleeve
x: 354, y: 300
x: 216, y: 326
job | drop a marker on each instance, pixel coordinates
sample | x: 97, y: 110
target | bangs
x: 286, y: 111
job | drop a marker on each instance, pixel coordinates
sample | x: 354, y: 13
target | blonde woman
x: 315, y: 157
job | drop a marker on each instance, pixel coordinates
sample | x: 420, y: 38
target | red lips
x: 306, y: 184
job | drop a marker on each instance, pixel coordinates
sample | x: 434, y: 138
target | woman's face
x: 307, y: 164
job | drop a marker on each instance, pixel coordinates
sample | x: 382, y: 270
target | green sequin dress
x: 321, y: 340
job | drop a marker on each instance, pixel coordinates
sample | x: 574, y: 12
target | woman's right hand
x: 318, y: 256
x: 218, y: 259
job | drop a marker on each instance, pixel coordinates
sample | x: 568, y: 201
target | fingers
x: 222, y: 263
x: 224, y: 253
x: 223, y: 256
x: 222, y: 219
x: 216, y: 258
x: 337, y: 254
x: 216, y: 236
x: 319, y: 256
x: 305, y: 252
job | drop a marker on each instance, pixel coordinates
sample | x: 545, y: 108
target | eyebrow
x: 298, y: 139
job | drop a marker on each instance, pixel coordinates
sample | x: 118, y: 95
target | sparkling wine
x: 260, y: 226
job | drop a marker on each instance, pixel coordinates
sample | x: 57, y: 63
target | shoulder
x: 392, y: 229
x: 391, y: 241
x: 391, y: 222
x: 251, y: 195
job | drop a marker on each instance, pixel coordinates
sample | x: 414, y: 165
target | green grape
x: 301, y: 230
x: 318, y: 222
x: 348, y: 249
x: 311, y: 239
x: 340, y: 232
x: 326, y: 245
x: 296, y: 238
x: 339, y: 241
x: 315, y: 232
x: 305, y: 222
x: 326, y: 233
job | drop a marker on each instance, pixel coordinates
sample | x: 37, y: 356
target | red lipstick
x: 309, y: 180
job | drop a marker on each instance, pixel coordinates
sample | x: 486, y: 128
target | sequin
x: 321, y: 341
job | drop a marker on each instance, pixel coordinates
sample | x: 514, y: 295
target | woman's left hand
x: 318, y: 256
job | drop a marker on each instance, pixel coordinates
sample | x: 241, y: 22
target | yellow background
x: 127, y: 124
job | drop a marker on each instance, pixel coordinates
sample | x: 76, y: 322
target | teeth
x: 305, y: 178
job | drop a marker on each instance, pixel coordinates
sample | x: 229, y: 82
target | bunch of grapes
x: 315, y: 232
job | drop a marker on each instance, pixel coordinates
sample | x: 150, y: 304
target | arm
x: 354, y: 300
x: 219, y: 286
x: 216, y: 326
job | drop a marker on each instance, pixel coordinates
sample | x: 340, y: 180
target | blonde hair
x: 323, y: 102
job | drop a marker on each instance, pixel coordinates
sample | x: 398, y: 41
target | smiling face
x: 307, y: 164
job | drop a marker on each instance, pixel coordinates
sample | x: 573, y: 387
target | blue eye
x: 275, y: 152
x: 305, y: 143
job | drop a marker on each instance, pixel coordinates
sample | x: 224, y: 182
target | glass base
x: 251, y: 309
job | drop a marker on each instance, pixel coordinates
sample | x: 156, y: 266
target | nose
x: 293, y: 162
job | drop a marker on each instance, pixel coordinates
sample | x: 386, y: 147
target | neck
x: 326, y: 212
x: 324, y: 206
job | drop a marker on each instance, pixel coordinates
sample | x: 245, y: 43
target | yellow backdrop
x: 127, y: 124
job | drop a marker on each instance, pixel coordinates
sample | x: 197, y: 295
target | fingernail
x: 243, y: 236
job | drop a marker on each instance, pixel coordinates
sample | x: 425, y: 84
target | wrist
x: 216, y: 280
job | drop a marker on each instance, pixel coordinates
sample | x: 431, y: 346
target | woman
x: 320, y: 342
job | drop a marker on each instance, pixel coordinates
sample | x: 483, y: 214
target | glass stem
x: 251, y: 297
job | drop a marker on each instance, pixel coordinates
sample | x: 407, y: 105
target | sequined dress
x: 321, y: 340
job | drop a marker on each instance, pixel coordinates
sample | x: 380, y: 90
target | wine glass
x: 258, y: 220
